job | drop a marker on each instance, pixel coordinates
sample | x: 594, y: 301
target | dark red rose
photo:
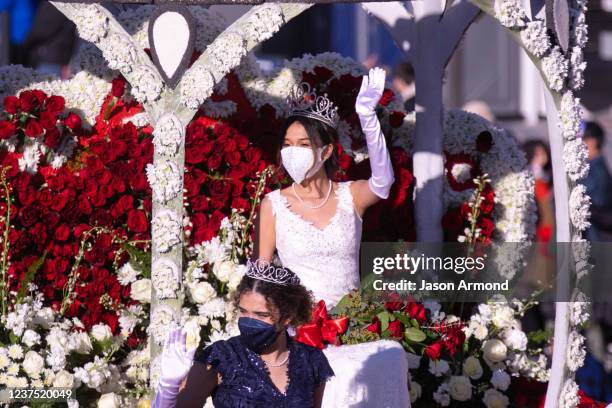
x: 55, y: 104
x: 118, y: 87
x: 33, y: 128
x: 73, y: 121
x: 488, y: 203
x: 240, y: 203
x: 52, y: 138
x: 433, y: 351
x: 28, y: 101
x: 62, y: 232
x: 241, y: 141
x: 199, y: 203
x: 85, y: 206
x: 375, y: 326
x: 137, y: 221
x: 386, y: 97
x: 252, y: 154
x: 11, y: 104
x: 396, y: 119
x: 7, y: 129
x: 220, y: 188
x: 395, y: 329
x: 214, y: 161
x: 486, y: 226
x: 393, y: 306
x: 484, y: 141
x: 416, y: 311
x: 232, y: 158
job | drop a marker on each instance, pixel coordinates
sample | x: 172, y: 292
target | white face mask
x: 300, y: 162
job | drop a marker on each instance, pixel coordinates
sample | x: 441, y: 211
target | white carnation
x: 460, y: 388
x: 472, y: 368
x: 165, y: 180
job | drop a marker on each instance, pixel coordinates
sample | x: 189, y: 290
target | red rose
x: 62, y: 232
x: 118, y: 87
x: 73, y: 121
x: 393, y: 306
x: 415, y: 311
x: 484, y: 141
x: 386, y: 97
x: 488, y: 203
x: 214, y: 161
x: 33, y: 128
x: 7, y: 129
x: 395, y: 329
x: 233, y: 158
x: 11, y: 104
x: 241, y: 141
x: 252, y: 154
x: 486, y: 226
x: 220, y: 188
x: 199, y: 203
x: 396, y: 119
x: 55, y: 104
x: 375, y: 326
x: 52, y: 138
x: 433, y: 351
x: 28, y: 101
x: 240, y: 203
x: 137, y: 221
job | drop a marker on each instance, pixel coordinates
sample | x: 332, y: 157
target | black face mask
x: 255, y: 334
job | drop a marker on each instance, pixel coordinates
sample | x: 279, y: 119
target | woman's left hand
x: 372, y: 88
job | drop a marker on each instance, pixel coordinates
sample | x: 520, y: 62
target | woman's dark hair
x: 285, y: 302
x: 530, y: 146
x: 319, y: 134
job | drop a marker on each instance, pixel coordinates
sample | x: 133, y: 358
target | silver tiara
x: 265, y: 271
x: 305, y: 102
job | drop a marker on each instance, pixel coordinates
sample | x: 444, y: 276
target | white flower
x: 168, y: 135
x: 438, y: 367
x: 495, y: 399
x: 63, y: 379
x: 570, y: 115
x: 101, y: 332
x: 478, y: 330
x: 415, y: 391
x: 4, y: 361
x: 579, y: 309
x: 163, y: 321
x: 495, y: 351
x: 94, y: 374
x: 33, y: 364
x: 141, y: 291
x: 576, y: 351
x: 460, y: 388
x: 120, y: 53
x: 535, y: 38
x: 82, y: 343
x: 514, y: 339
x: 577, y: 67
x: 127, y: 322
x: 214, y: 308
x: 414, y: 360
x: 165, y: 276
x: 503, y: 316
x: 91, y: 23
x: 165, y: 180
x: 461, y: 172
x: 579, y: 208
x: 472, y: 368
x: 500, y: 380
x: 30, y: 158
x: 196, y: 86
x: 265, y: 20
x: 555, y: 67
x: 579, y: 33
x: 202, y: 292
x: 146, y: 84
x: 569, y: 394
x: 441, y: 395
x: 224, y: 270
x: 109, y: 400
x: 575, y: 157
x: 510, y: 13
x: 227, y: 52
x: 166, y: 229
x: 127, y: 274
x: 15, y: 351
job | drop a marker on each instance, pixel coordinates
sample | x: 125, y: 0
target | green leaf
x: 405, y: 319
x: 414, y: 335
x: 342, y: 306
x: 384, y: 320
x: 140, y: 260
x: 29, y: 276
x: 540, y: 336
x: 13, y: 338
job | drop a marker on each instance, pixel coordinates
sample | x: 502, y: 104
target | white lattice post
x: 428, y: 36
x: 170, y: 108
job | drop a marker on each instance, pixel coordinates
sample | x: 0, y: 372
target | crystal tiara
x: 265, y: 271
x: 305, y: 102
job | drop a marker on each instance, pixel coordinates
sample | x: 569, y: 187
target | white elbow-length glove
x: 176, y: 362
x: 372, y: 88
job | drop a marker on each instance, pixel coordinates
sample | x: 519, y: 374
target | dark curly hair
x: 319, y: 134
x: 286, y: 302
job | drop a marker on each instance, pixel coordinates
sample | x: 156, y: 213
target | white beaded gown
x: 368, y: 375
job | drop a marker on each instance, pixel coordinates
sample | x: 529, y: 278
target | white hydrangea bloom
x: 570, y: 115
x: 510, y: 13
x: 166, y: 230
x: 165, y: 180
x: 579, y: 31
x: 146, y: 84
x: 579, y: 208
x: 196, y: 86
x: 579, y: 309
x: 92, y: 24
x: 120, y: 52
x: 575, y: 156
x: 555, y: 67
x: 569, y: 395
x: 577, y: 68
x: 535, y: 38
x: 576, y: 351
x: 227, y: 52
x: 264, y: 22
x: 165, y: 278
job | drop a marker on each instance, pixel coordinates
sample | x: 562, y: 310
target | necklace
x: 282, y: 363
x: 312, y: 206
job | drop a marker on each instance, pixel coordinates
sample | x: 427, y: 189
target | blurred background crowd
x: 488, y: 75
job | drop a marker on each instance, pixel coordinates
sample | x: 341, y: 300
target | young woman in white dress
x: 315, y: 227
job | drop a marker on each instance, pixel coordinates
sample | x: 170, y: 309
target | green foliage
x: 139, y: 259
x: 29, y: 277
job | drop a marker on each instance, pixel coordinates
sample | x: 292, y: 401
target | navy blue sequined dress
x: 246, y: 381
